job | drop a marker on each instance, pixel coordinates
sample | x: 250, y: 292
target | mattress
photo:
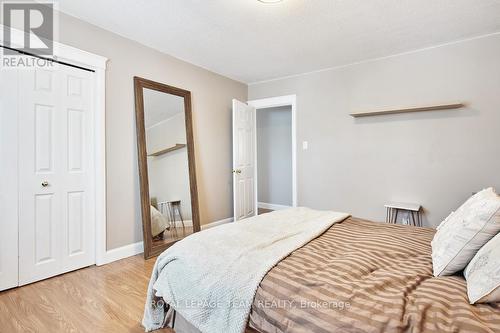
x: 363, y: 276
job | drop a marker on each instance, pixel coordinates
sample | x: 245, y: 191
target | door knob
x: 45, y: 183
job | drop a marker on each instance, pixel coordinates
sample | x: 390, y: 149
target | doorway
x: 274, y: 158
x: 275, y: 172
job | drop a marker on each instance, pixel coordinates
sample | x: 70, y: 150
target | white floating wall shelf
x: 408, y: 110
x: 168, y: 150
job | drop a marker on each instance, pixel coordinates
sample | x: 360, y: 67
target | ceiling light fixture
x: 270, y: 1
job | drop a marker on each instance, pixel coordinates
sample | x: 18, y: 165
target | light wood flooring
x: 104, y: 299
x: 174, y: 235
x: 261, y: 211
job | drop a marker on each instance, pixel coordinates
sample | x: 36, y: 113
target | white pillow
x: 465, y: 231
x: 159, y: 222
x: 483, y: 274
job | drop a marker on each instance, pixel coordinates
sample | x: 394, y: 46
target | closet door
x: 8, y: 172
x: 56, y: 216
x: 78, y: 207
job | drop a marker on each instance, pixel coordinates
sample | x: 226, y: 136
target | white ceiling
x: 250, y: 41
x: 160, y: 106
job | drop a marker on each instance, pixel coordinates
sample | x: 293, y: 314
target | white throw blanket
x: 211, y: 277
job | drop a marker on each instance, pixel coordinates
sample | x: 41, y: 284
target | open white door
x: 244, y: 159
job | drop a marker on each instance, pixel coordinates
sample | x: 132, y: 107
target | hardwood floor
x: 261, y: 211
x: 174, y: 234
x: 106, y: 299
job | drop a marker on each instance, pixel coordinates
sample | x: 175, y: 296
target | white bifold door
x: 55, y: 172
x: 244, y: 161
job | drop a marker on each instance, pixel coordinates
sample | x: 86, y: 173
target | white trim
x: 372, y: 59
x: 189, y: 223
x: 96, y: 63
x: 266, y: 205
x: 216, y: 223
x: 9, y: 199
x: 288, y: 100
x: 122, y: 252
x: 100, y: 165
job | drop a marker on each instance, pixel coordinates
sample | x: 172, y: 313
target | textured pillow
x: 465, y: 231
x: 483, y: 274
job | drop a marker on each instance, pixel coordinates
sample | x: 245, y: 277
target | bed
x: 362, y: 276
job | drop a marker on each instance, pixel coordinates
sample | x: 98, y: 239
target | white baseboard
x: 136, y: 248
x: 216, y: 223
x: 122, y: 253
x: 205, y: 226
x: 187, y: 223
x: 272, y: 206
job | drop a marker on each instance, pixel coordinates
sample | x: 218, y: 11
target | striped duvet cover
x: 363, y: 276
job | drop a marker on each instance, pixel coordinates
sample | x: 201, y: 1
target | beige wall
x: 436, y: 158
x: 211, y: 98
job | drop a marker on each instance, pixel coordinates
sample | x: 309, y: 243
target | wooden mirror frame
x: 139, y: 84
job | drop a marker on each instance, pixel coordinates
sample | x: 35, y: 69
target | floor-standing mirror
x: 169, y: 198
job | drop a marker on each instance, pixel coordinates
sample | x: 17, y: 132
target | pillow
x: 465, y: 231
x: 483, y: 274
x: 159, y: 222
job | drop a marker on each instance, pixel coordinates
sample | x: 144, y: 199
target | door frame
x: 96, y: 63
x: 265, y: 103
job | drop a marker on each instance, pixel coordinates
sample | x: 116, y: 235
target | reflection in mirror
x: 168, y: 169
x: 166, y: 165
